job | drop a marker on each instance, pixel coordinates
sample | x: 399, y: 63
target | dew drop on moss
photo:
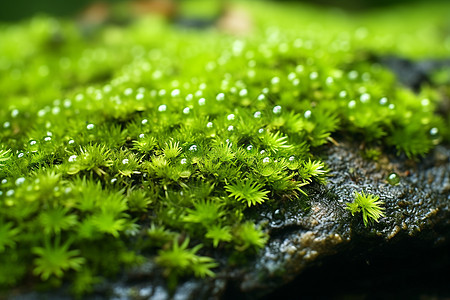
x: 125, y: 161
x: 145, y: 121
x: 193, y: 148
x: 230, y: 117
x: 393, y: 179
x: 249, y: 147
x: 186, y: 110
x: 201, y: 101
x: 209, y: 125
x: 257, y: 115
x: 10, y: 193
x: 90, y: 126
x: 220, y: 97
x: 277, y: 109
x: 162, y: 108
x: 183, y: 161
x: 266, y: 160
x: 307, y: 114
x: 20, y: 180
x: 6, y: 125
x: 230, y: 128
x: 20, y: 155
x: 72, y: 158
x: 141, y: 136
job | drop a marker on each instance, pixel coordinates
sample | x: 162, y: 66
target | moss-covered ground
x: 151, y: 141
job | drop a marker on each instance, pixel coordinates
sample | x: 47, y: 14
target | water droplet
x: 220, y: 97
x: 364, y: 98
x: 307, y: 114
x: 20, y: 180
x: 141, y: 136
x: 20, y: 155
x: 434, y: 131
x: 139, y: 96
x: 72, y: 158
x: 209, y: 125
x: 249, y: 147
x: 299, y: 69
x: 291, y: 76
x: 175, y: 93
x: 183, y: 161
x: 343, y: 94
x: 198, y: 93
x: 262, y: 152
x: 275, y: 80
x: 10, y: 193
x: 113, y: 180
x: 186, y: 110
x: 90, y: 126
x: 393, y: 179
x: 261, y: 130
x: 79, y: 97
x: 193, y: 148
x: 277, y: 109
x: 243, y: 92
x: 47, y: 139
x: 353, y: 75
x: 71, y: 142
x: 162, y: 92
x: 145, y: 121
x: 391, y: 106
x: 230, y: 128
x: 32, y: 142
x: 6, y: 124
x: 189, y: 97
x: 313, y: 75
x: 14, y: 113
x: 125, y: 161
x: 383, y: 101
x: 128, y: 91
x: 425, y: 102
x: 266, y: 160
x: 257, y: 114
x: 67, y: 190
x: 162, y: 108
x: 4, y: 181
x: 56, y: 110
x: 291, y: 158
x: 230, y: 117
x: 265, y: 90
x: 201, y: 101
x: 261, y: 97
x: 351, y: 104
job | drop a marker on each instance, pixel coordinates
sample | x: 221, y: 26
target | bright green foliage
x: 8, y: 235
x: 56, y: 259
x: 247, y: 192
x: 181, y: 260
x: 146, y: 140
x: 369, y: 205
x: 218, y: 234
x: 4, y: 156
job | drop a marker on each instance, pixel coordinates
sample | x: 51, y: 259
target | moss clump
x: 150, y: 142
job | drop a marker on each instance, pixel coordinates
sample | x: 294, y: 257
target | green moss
x: 150, y: 142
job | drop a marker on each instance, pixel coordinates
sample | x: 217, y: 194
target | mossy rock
x: 152, y: 159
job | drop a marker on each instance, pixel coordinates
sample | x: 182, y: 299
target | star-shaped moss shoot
x: 369, y: 205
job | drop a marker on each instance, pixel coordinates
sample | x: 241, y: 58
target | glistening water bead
x: 393, y: 179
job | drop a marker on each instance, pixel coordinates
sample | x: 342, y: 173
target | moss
x: 150, y: 142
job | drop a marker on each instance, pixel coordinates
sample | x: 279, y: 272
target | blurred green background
x: 20, y: 9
